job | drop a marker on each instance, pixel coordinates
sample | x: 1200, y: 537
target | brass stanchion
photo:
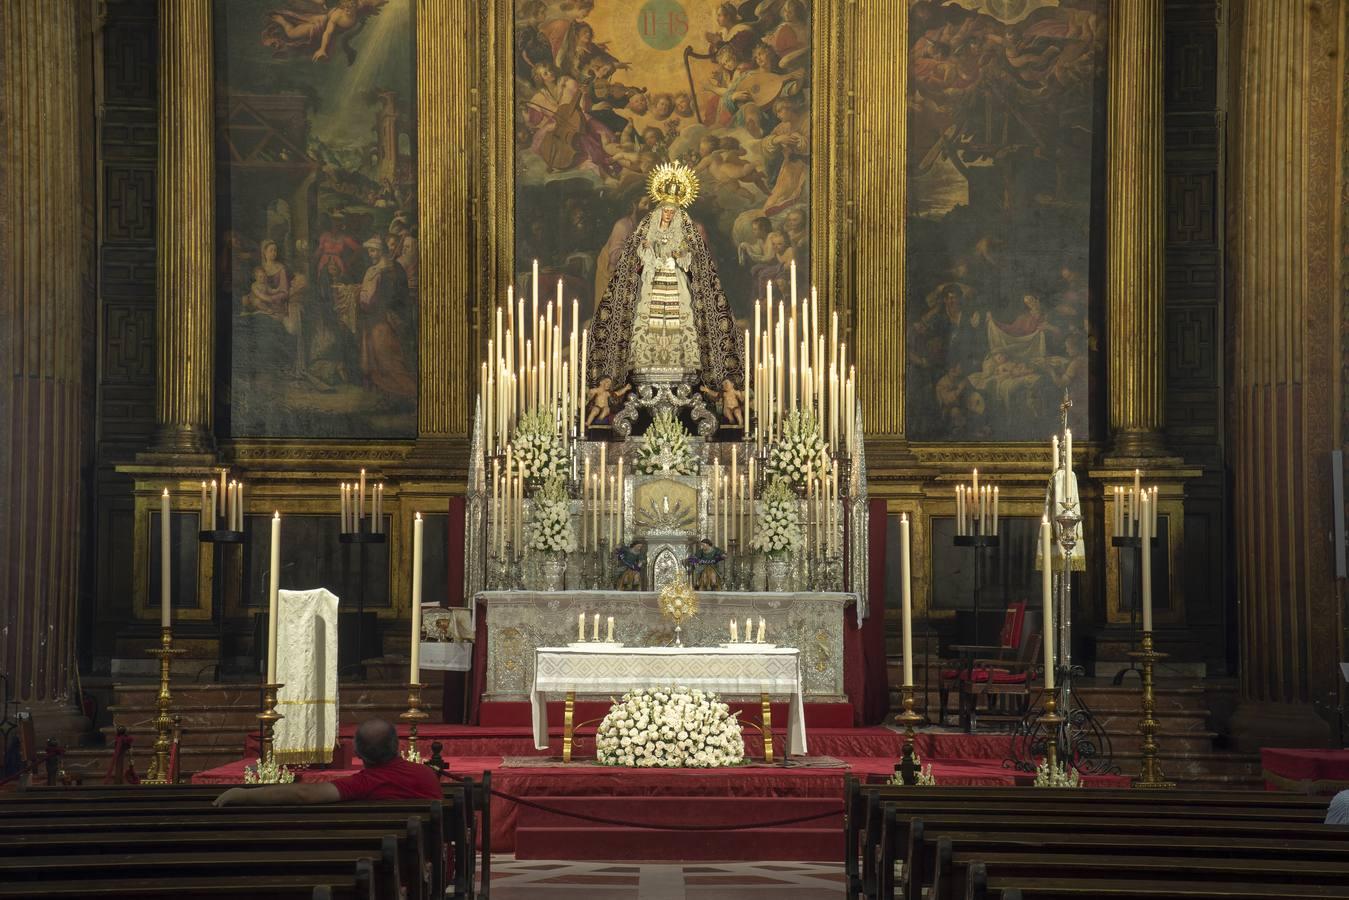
x: 267, y: 719
x: 908, y: 762
x: 412, y: 716
x: 159, y: 766
x: 1151, y: 777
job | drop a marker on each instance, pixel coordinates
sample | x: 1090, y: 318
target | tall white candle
x: 610, y: 633
x: 273, y: 592
x: 597, y: 626
x: 1145, y: 532
x: 1047, y: 595
x: 735, y: 638
x: 360, y: 501
x: 618, y: 501
x: 415, y: 667
x: 203, y: 507
x: 613, y: 517
x: 165, y: 529
x: 906, y: 598
x: 580, y: 627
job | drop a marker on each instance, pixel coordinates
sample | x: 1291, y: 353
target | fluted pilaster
x: 445, y: 122
x: 185, y: 219
x: 1283, y: 142
x: 877, y: 151
x: 40, y: 340
x: 1136, y: 254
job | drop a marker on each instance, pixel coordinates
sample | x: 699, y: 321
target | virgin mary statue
x: 663, y: 316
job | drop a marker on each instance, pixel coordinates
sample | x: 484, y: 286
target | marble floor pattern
x: 530, y: 879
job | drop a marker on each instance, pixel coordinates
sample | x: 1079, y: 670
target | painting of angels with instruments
x: 1006, y: 150
x: 604, y: 95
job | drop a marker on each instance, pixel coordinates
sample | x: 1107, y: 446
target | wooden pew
x: 30, y: 875
x: 984, y: 885
x: 357, y: 885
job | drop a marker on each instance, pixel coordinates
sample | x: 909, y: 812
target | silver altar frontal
x: 519, y: 622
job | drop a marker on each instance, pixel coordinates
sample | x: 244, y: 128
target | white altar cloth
x: 776, y: 672
x: 306, y: 667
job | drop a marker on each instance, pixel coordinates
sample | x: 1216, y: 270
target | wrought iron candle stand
x: 164, y: 721
x: 413, y: 715
x: 362, y: 538
x: 1151, y: 777
x: 979, y: 543
x: 267, y: 720
x: 1121, y: 541
x: 907, y: 768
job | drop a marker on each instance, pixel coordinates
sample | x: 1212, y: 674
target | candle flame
x: 166, y: 492
x: 418, y: 516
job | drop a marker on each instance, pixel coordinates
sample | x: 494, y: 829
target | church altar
x: 743, y: 669
x: 516, y: 624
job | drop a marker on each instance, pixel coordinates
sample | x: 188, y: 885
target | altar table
x: 612, y: 671
x: 513, y: 624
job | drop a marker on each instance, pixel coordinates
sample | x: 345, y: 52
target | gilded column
x: 445, y: 128
x: 877, y: 152
x: 40, y: 341
x: 1288, y: 73
x: 185, y: 220
x: 1136, y: 254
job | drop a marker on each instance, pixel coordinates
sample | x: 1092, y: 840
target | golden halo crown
x: 673, y: 183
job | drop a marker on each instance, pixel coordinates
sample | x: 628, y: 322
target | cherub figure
x: 601, y: 398
x: 631, y: 561
x: 731, y: 409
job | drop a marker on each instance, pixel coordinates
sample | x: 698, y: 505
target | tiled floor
x: 530, y: 879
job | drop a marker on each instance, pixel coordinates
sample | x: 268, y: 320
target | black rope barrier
x: 619, y: 823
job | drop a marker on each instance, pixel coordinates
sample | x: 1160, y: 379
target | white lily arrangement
x: 801, y: 455
x: 676, y: 728
x: 780, y: 525
x: 550, y: 528
x: 537, y: 448
x: 1061, y: 776
x: 267, y: 771
x: 666, y: 448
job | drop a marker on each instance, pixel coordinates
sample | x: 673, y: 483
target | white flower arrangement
x: 780, y: 525
x: 666, y: 449
x: 537, y: 448
x: 925, y: 777
x: 1062, y: 776
x: 676, y: 728
x: 412, y: 753
x: 550, y: 528
x: 266, y: 771
x: 800, y: 456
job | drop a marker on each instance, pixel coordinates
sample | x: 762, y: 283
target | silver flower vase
x: 552, y: 571
x: 779, y: 572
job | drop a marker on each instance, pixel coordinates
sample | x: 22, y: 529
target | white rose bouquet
x: 538, y: 448
x: 666, y: 448
x: 780, y: 524
x: 550, y: 528
x: 801, y: 454
x: 676, y: 728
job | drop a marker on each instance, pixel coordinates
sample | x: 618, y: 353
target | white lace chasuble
x: 306, y: 664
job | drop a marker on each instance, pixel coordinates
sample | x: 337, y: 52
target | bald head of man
x: 376, y: 742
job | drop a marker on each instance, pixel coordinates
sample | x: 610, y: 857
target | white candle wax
x: 273, y: 591
x: 597, y: 626
x: 1145, y: 533
x: 906, y: 598
x: 1047, y: 595
x: 580, y: 627
x: 749, y: 629
x: 415, y: 666
x: 609, y: 634
x: 165, y: 588
x: 360, y: 501
x: 734, y: 637
x: 763, y: 629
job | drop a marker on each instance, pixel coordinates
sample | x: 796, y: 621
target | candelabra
x: 1135, y: 601
x: 908, y: 763
x: 1151, y: 776
x: 159, y: 768
x: 1051, y: 722
x: 412, y: 716
x: 362, y: 537
x: 267, y: 720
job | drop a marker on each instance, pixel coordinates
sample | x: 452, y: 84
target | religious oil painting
x: 316, y: 207
x: 604, y: 93
x: 1005, y: 225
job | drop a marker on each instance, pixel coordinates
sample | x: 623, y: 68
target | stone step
x: 195, y: 717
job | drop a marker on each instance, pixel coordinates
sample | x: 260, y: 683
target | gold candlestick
x: 1051, y: 721
x: 1151, y: 777
x: 412, y: 716
x: 267, y: 719
x: 908, y: 763
x: 159, y: 766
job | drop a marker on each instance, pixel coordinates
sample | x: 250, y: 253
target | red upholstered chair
x: 956, y: 673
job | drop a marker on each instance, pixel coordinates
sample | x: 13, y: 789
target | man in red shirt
x: 385, y: 776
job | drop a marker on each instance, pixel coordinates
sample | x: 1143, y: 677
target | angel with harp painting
x: 313, y: 26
